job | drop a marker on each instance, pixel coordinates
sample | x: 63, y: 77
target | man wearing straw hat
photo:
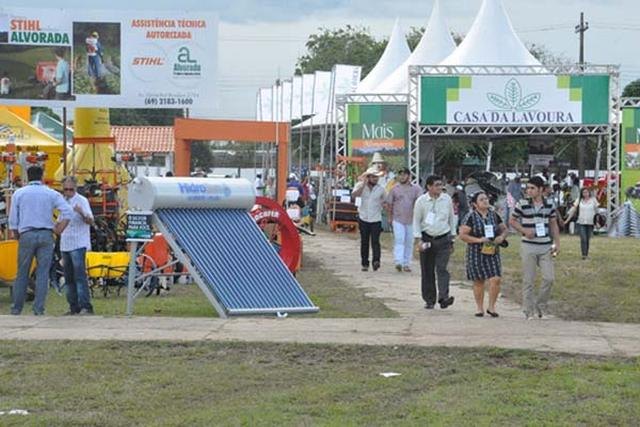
x: 372, y: 200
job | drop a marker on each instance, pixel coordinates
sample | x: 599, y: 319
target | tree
x: 632, y: 89
x: 349, y: 45
x: 546, y: 56
x: 201, y: 155
x: 415, y: 34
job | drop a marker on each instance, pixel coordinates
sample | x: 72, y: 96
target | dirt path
x: 455, y: 326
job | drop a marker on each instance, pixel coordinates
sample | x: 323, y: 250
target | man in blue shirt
x: 31, y: 223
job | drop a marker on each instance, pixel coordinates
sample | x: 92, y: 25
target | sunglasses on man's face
x: 69, y: 189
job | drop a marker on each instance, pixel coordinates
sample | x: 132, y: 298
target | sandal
x: 492, y: 314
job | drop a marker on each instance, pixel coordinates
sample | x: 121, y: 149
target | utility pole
x: 582, y: 142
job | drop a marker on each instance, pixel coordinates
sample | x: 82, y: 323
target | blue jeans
x: 402, y: 243
x: 38, y: 244
x: 75, y: 277
x: 585, y: 237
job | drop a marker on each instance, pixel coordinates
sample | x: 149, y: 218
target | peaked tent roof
x: 435, y: 45
x: 396, y: 52
x: 491, y: 41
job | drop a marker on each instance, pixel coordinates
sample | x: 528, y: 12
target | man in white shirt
x: 372, y: 200
x: 434, y: 229
x: 75, y: 241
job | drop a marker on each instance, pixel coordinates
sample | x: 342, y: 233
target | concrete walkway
x: 455, y: 326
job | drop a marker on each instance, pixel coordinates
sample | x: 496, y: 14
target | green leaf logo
x: 513, y: 92
x: 513, y: 99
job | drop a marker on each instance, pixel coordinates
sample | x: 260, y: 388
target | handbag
x: 489, y: 249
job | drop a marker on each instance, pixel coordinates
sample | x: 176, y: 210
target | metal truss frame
x: 629, y: 102
x: 610, y: 130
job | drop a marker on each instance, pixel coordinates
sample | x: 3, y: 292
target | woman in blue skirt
x: 483, y: 231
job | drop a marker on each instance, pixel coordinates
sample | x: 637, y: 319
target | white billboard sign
x: 266, y: 104
x: 307, y: 94
x: 117, y: 59
x: 520, y: 100
x: 296, y: 97
x: 286, y: 101
x: 321, y: 94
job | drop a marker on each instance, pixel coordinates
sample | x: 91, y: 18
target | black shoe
x: 429, y: 306
x: 479, y: 314
x: 376, y: 265
x: 444, y: 303
x: 365, y: 268
x: 492, y: 313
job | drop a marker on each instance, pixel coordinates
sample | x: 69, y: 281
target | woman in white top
x: 586, y: 208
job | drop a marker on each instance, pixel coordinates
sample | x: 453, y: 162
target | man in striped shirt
x: 75, y: 241
x: 535, y: 219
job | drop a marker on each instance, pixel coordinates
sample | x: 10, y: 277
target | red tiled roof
x: 144, y: 139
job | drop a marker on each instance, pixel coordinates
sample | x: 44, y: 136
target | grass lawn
x: 116, y: 383
x: 334, y: 297
x: 605, y: 287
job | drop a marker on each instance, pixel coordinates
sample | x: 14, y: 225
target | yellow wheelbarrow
x: 9, y: 264
x: 107, y: 270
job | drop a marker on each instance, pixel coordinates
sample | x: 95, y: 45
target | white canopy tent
x: 396, y: 52
x: 435, y: 45
x: 491, y: 41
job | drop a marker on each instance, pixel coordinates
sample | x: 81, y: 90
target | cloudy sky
x: 260, y: 40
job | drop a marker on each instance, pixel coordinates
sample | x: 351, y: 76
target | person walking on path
x: 400, y: 201
x: 585, y: 208
x: 372, y: 199
x: 434, y: 228
x: 75, y: 241
x: 31, y: 223
x: 483, y: 231
x: 535, y: 219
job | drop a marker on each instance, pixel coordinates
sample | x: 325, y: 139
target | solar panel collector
x: 236, y: 262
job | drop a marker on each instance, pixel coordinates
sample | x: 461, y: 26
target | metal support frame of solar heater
x: 610, y: 130
x: 190, y: 267
x: 359, y: 98
x: 135, y: 251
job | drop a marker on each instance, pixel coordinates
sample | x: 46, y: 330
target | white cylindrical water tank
x: 151, y: 193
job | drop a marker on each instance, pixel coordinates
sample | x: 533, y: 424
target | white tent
x: 396, y: 52
x: 491, y: 41
x: 435, y: 45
